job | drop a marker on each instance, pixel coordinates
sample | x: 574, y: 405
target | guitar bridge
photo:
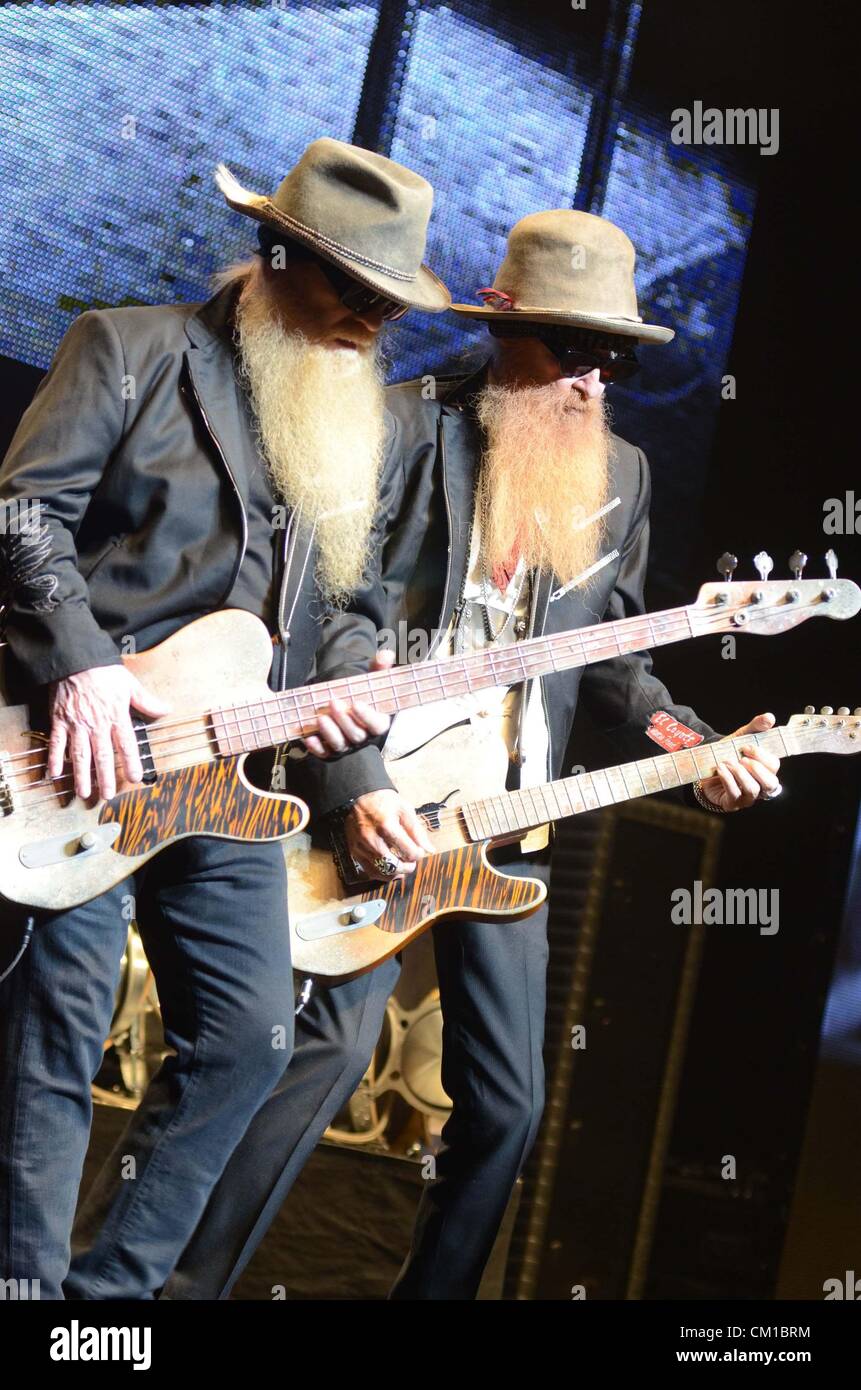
x: 349, y: 872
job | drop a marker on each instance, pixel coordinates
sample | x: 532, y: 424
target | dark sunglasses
x: 578, y: 351
x: 355, y: 296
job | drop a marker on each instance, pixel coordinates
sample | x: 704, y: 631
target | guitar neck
x: 511, y: 813
x: 293, y: 713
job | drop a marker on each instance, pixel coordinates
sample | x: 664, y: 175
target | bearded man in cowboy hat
x: 523, y: 515
x: 164, y: 446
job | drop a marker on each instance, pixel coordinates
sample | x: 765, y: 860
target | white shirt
x: 493, y: 713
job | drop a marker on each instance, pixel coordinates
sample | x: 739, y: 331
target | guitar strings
x: 303, y: 698
x: 35, y: 786
x: 204, y: 722
x: 588, y: 640
x: 499, y: 801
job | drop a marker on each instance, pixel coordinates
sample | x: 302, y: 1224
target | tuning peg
x: 831, y: 562
x: 844, y: 709
x: 764, y: 565
x: 857, y: 711
x: 809, y: 709
x: 797, y: 561
x: 826, y: 709
x: 726, y: 565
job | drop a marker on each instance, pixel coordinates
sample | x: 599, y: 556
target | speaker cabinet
x: 621, y: 984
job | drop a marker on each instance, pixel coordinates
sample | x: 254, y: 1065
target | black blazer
x: 425, y: 557
x: 138, y: 447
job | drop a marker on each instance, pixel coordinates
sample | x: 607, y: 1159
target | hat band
x: 493, y: 298
x: 331, y: 245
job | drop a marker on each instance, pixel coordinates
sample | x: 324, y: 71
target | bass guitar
x: 57, y: 851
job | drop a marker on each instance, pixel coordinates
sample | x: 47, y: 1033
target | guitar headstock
x: 829, y: 731
x: 767, y: 606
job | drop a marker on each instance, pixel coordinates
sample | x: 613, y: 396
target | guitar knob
x: 87, y: 840
x: 826, y: 709
x: 358, y: 913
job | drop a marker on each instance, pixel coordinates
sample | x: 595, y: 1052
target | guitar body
x: 219, y: 660
x: 454, y: 765
x: 458, y: 882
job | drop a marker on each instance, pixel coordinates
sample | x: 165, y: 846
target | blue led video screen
x: 114, y: 116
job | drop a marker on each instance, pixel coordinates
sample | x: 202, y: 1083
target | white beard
x: 320, y: 426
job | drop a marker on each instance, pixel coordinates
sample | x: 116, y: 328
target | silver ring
x: 384, y: 866
x: 769, y: 796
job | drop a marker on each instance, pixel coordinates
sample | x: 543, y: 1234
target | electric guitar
x: 57, y: 851
x: 340, y: 927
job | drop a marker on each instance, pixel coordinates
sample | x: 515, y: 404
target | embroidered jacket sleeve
x: 55, y: 462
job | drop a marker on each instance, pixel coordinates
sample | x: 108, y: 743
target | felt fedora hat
x: 357, y: 209
x: 567, y: 268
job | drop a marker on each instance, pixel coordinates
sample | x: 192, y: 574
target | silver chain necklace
x: 485, y: 607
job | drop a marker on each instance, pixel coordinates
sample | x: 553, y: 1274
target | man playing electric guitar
x: 179, y: 460
x: 543, y: 515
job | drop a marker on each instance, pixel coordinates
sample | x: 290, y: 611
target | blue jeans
x: 492, y: 979
x: 213, y: 921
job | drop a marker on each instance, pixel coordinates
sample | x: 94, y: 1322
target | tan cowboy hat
x: 357, y: 209
x: 568, y: 268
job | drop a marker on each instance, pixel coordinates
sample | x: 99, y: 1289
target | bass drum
x: 134, y: 1047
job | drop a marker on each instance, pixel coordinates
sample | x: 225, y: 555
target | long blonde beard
x: 544, y: 472
x: 320, y: 423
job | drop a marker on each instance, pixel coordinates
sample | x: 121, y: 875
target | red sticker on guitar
x: 670, y: 734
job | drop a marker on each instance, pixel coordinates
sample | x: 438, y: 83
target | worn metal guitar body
x: 57, y: 851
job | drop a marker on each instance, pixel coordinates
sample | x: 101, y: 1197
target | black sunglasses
x: 355, y: 296
x: 578, y: 351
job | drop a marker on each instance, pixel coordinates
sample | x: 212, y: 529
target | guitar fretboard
x: 509, y: 813
x: 292, y: 713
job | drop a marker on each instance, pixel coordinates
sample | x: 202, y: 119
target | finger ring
x: 769, y: 796
x: 384, y: 866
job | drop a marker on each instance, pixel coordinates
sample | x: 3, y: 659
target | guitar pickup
x: 147, y: 761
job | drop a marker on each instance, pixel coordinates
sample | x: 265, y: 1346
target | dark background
x: 780, y: 449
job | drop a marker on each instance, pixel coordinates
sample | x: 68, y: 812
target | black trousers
x: 492, y: 979
x: 211, y: 914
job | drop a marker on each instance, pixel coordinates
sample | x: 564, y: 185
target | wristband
x: 704, y: 801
